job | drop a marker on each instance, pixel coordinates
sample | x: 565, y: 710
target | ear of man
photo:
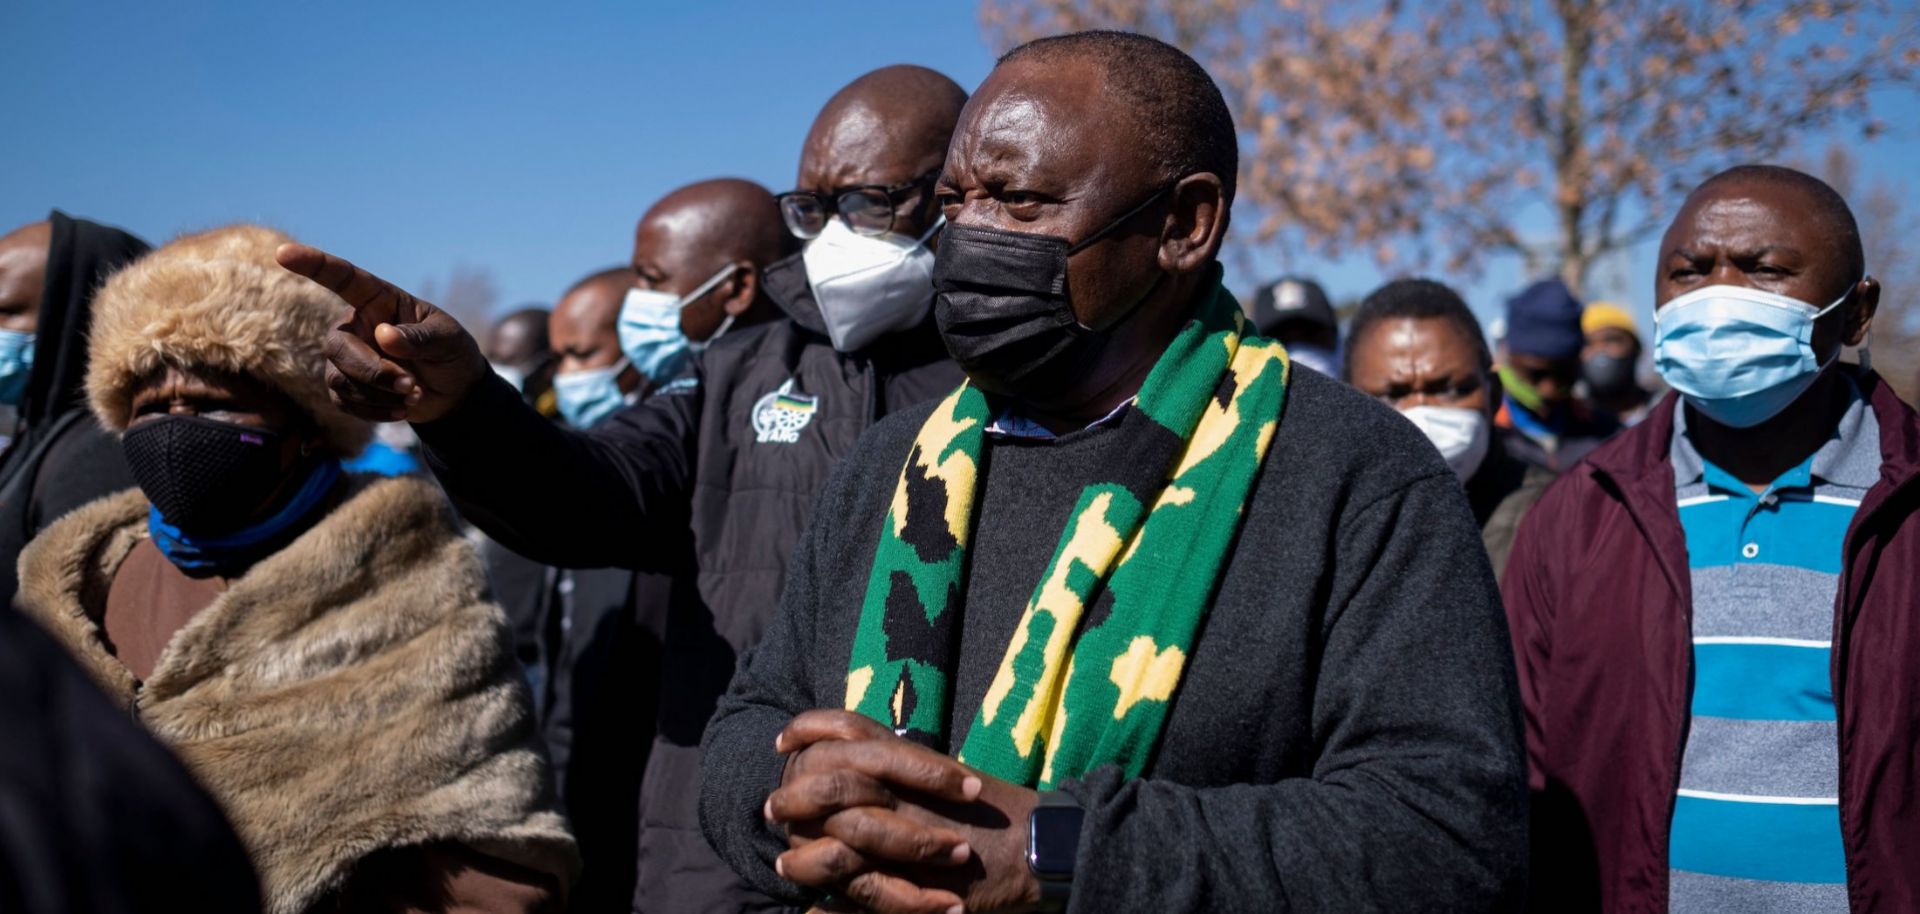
x: 741, y: 289
x: 1860, y: 317
x: 1196, y: 224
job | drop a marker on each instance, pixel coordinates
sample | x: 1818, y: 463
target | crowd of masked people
x: 941, y: 535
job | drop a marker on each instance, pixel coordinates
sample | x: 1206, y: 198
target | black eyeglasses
x: 867, y: 210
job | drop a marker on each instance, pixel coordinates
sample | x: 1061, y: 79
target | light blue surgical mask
x: 16, y: 365
x: 1739, y: 355
x: 587, y: 396
x: 649, y: 327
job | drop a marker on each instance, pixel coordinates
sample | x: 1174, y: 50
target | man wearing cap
x: 1714, y: 612
x: 1541, y: 421
x: 1295, y: 311
x: 1609, y: 364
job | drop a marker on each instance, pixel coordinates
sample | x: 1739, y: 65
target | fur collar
x: 351, y: 692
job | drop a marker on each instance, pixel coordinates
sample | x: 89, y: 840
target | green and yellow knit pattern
x: 1093, y: 667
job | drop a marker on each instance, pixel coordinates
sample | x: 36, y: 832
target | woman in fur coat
x: 320, y: 650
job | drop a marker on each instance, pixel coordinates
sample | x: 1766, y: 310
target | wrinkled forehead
x: 172, y: 377
x: 1433, y: 345
x: 1055, y: 116
x: 1751, y: 218
x: 859, y: 144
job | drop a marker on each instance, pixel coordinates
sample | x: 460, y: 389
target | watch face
x: 1053, y: 839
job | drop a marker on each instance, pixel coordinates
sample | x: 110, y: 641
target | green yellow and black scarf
x: 1059, y: 707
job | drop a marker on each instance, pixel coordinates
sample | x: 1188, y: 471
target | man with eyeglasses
x: 712, y: 478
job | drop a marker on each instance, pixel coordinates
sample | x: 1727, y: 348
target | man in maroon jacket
x: 1717, y: 615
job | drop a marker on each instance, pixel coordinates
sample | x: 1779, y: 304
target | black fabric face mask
x: 206, y: 477
x: 1608, y: 374
x: 1002, y: 306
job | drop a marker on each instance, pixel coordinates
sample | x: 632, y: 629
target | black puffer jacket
x: 712, y: 480
x: 60, y: 458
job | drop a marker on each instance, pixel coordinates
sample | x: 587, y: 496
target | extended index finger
x: 374, y: 300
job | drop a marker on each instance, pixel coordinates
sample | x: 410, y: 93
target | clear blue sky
x: 527, y: 138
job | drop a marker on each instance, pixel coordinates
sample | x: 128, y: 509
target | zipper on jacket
x: 1841, y: 610
x: 1680, y: 748
x: 1839, y: 729
x: 872, y: 376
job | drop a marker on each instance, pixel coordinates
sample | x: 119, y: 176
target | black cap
x: 1289, y: 299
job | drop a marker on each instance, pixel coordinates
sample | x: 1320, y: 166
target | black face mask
x: 1002, y: 306
x: 1608, y: 375
x: 206, y: 477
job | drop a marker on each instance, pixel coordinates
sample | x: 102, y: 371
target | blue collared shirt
x: 1756, y: 823
x: 1010, y: 424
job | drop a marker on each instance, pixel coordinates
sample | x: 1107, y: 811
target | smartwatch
x: 1053, y: 840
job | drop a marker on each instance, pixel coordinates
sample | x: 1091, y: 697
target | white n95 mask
x: 868, y: 287
x: 1460, y: 434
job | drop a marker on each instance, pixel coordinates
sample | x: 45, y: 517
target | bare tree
x: 469, y: 294
x: 1439, y: 132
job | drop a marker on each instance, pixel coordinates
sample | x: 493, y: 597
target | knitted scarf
x: 1092, y: 669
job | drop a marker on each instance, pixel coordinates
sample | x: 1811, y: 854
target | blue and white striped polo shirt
x: 1756, y: 825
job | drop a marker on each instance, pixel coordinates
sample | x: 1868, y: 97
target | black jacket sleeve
x: 1417, y: 795
x: 616, y: 496
x: 84, y: 463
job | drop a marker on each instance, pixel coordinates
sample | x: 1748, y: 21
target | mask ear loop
x: 712, y: 283
x: 939, y: 222
x: 1866, y: 357
x: 1866, y: 341
x: 1118, y: 221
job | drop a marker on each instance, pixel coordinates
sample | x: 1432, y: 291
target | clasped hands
x: 889, y: 826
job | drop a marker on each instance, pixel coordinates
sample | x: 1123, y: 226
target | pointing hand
x: 396, y: 357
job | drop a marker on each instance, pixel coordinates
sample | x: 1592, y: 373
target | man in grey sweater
x: 1138, y: 618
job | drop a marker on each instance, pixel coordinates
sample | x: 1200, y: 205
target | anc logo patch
x: 779, y: 417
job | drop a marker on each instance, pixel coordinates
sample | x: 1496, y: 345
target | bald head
x: 519, y: 339
x: 1052, y: 144
x: 1172, y: 110
x: 728, y: 219
x: 886, y: 128
x: 712, y: 238
x: 1815, y: 200
x: 1775, y: 229
x: 23, y: 275
x: 583, y: 326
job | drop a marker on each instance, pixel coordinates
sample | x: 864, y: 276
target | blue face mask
x: 233, y: 553
x: 650, y: 332
x: 16, y: 365
x: 588, y: 396
x: 1739, y: 355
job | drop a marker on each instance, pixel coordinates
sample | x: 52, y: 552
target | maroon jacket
x: 1600, y: 605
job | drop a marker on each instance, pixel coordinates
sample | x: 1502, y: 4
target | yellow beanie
x: 1601, y: 314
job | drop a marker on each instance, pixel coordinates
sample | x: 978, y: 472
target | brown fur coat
x: 352, y: 692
